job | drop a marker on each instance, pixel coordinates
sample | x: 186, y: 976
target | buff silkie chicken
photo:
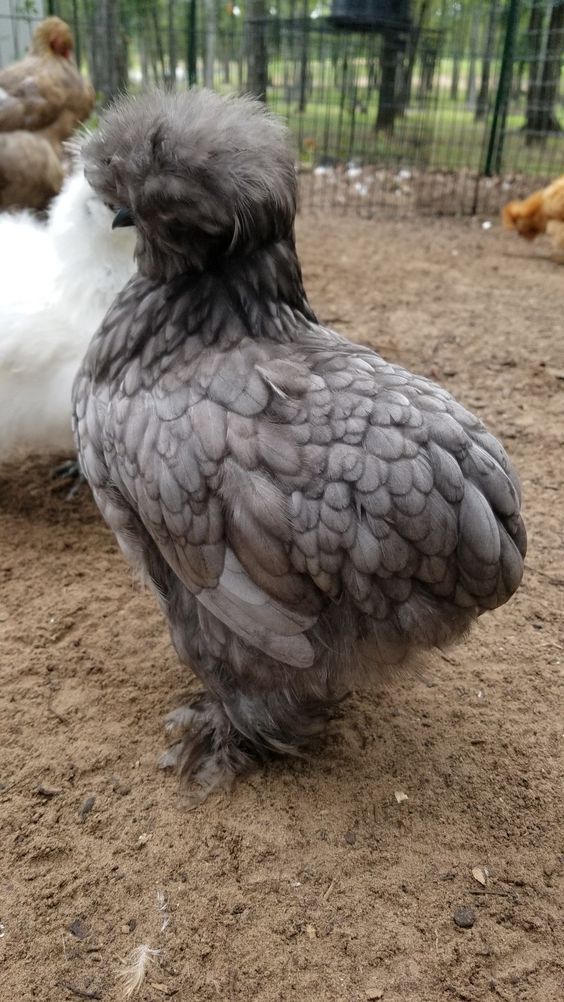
x: 541, y: 212
x: 304, y: 511
x: 43, y: 98
x: 58, y: 280
x: 31, y: 173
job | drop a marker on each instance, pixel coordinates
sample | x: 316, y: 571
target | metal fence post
x: 497, y: 132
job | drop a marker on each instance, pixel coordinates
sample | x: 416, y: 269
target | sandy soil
x: 311, y: 883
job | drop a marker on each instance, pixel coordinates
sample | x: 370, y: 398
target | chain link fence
x: 451, y: 106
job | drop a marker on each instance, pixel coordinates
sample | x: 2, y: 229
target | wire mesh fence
x: 447, y: 106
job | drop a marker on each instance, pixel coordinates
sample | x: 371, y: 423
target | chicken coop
x: 443, y: 108
x: 371, y: 15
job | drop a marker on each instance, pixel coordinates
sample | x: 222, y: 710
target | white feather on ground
x: 58, y: 281
x: 134, y: 973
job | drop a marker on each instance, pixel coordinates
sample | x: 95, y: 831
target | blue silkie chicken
x: 303, y: 510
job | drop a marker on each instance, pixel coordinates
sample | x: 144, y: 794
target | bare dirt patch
x: 312, y: 882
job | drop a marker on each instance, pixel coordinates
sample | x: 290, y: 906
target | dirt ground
x: 311, y: 882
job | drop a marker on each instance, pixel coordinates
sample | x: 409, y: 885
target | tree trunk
x: 257, y: 57
x: 304, y: 59
x: 413, y: 47
x: 158, y: 52
x: 388, y: 105
x: 172, y: 52
x: 541, y: 116
x: 455, y: 78
x: 144, y: 56
x: 76, y: 33
x: 517, y: 80
x: 107, y: 52
x: 191, y: 56
x: 534, y: 55
x: 210, y: 28
x: 227, y: 48
x: 483, y: 93
x: 474, y: 34
x: 344, y: 87
x: 428, y: 65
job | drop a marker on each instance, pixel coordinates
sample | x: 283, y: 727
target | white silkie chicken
x: 58, y: 280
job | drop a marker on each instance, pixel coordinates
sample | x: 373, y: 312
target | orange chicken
x: 541, y: 212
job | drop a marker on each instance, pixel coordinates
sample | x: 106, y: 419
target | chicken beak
x: 123, y: 217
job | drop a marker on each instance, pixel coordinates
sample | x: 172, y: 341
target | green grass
x: 444, y: 137
x: 435, y: 133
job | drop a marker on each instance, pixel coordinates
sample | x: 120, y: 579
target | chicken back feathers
x: 296, y: 502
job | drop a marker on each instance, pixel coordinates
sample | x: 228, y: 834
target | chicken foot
x: 69, y: 471
x: 217, y: 741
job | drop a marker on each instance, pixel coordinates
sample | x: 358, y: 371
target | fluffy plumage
x: 58, y: 280
x: 195, y: 192
x: 298, y: 505
x: 44, y: 92
x: 42, y: 100
x: 31, y: 173
x: 541, y: 212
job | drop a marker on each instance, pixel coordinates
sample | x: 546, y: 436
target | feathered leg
x: 208, y: 749
x: 253, y: 708
x: 218, y: 739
